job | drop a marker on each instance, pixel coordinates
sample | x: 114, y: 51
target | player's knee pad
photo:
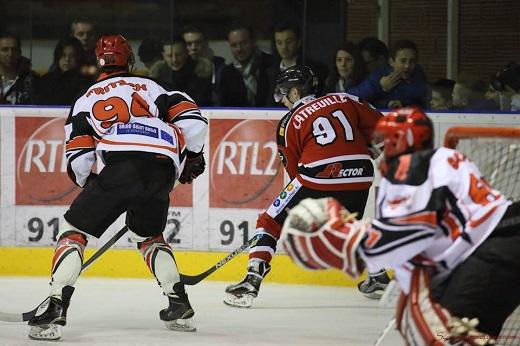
x: 66, y: 228
x: 269, y: 225
x: 67, y: 260
x: 159, y: 258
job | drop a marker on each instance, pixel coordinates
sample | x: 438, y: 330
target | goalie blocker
x: 435, y: 211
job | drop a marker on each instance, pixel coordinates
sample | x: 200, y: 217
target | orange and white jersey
x: 433, y: 209
x: 128, y: 113
x: 324, y: 142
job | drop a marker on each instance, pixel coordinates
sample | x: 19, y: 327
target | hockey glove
x: 193, y: 167
x: 321, y: 234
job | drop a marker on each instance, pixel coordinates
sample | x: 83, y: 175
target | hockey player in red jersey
x: 147, y: 138
x: 452, y: 239
x: 324, y: 145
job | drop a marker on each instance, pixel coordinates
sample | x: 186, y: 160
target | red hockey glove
x: 193, y: 167
x: 321, y: 233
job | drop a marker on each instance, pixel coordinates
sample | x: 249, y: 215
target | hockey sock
x: 67, y: 261
x: 159, y: 258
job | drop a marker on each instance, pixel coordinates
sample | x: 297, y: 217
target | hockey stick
x: 26, y: 316
x: 195, y: 279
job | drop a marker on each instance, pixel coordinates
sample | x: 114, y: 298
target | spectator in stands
x: 400, y: 83
x: 182, y: 72
x: 374, y: 52
x: 288, y: 53
x: 207, y: 65
x: 150, y: 52
x: 469, y: 95
x: 18, y: 83
x: 64, y: 81
x: 441, y: 94
x: 84, y: 30
x: 348, y: 69
x: 504, y: 86
x: 245, y: 81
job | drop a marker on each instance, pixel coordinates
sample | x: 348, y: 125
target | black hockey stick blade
x: 26, y: 316
x: 195, y: 279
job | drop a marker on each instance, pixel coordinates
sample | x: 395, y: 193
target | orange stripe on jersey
x: 451, y: 223
x: 172, y: 149
x: 80, y: 142
x: 179, y: 108
x: 478, y: 222
x: 428, y: 218
x: 180, y: 136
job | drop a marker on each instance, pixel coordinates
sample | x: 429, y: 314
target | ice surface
x: 126, y: 312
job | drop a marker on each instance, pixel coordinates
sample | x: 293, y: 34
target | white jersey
x: 433, y: 209
x: 128, y: 113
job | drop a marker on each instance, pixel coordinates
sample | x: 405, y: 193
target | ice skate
x: 374, y: 286
x: 51, y: 316
x: 177, y: 316
x: 242, y: 294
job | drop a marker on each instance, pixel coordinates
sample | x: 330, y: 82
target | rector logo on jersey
x: 41, y: 168
x: 245, y: 169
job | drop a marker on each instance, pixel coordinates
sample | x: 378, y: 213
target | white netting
x: 497, y: 154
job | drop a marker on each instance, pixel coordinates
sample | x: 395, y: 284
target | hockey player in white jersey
x: 148, y: 138
x: 452, y: 240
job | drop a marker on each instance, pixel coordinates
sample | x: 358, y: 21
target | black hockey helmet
x: 298, y: 76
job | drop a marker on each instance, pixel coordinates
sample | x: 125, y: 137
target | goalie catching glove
x: 322, y: 234
x: 194, y: 166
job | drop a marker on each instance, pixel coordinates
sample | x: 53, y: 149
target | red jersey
x: 324, y: 142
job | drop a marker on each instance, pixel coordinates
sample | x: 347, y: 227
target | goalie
x: 452, y: 240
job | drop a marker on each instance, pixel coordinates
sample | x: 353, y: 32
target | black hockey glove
x: 194, y: 167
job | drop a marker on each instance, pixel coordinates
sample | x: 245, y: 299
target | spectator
x: 374, y: 52
x: 348, y: 69
x: 64, y: 81
x: 287, y: 44
x: 469, y: 95
x: 504, y: 85
x: 150, y: 52
x: 441, y: 94
x: 84, y: 30
x: 182, y: 72
x: 18, y: 83
x: 207, y: 65
x: 400, y: 83
x: 245, y: 81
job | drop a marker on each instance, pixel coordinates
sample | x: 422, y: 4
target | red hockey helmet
x: 114, y: 50
x: 403, y: 131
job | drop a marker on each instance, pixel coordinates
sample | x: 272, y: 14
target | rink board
x: 206, y: 220
x: 130, y: 264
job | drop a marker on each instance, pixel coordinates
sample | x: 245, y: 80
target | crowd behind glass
x: 387, y: 77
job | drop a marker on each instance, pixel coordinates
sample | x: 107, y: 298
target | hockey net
x: 496, y: 152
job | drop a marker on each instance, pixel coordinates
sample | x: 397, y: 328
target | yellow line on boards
x: 126, y: 263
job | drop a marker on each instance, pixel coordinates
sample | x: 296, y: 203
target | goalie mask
x: 114, y: 51
x: 298, y: 76
x: 403, y: 131
x: 322, y: 234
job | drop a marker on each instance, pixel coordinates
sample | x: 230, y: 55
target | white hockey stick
x: 389, y: 300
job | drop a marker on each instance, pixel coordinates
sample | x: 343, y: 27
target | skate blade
x: 374, y: 295
x: 245, y: 301
x: 181, y: 325
x: 45, y: 332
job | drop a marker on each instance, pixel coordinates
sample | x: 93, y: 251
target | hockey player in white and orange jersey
x: 323, y: 143
x: 452, y: 239
x: 147, y: 137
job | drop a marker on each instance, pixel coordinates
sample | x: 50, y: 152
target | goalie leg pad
x: 159, y: 258
x: 420, y: 320
x: 67, y: 261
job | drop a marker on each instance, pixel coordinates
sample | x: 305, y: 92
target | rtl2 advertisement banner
x: 217, y: 212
